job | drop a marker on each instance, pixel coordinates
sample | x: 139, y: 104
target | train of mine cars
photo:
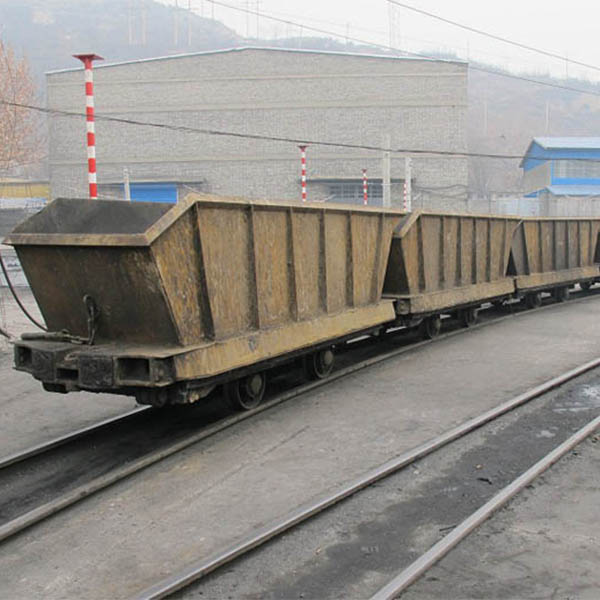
x: 167, y: 302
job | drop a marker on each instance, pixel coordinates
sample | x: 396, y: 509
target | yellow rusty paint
x: 443, y: 299
x: 211, y: 273
x: 18, y: 188
x: 553, y: 278
x: 220, y: 357
x: 552, y: 251
x: 443, y: 260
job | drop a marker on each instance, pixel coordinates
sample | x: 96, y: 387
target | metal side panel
x: 555, y: 278
x: 447, y: 299
x: 237, y: 352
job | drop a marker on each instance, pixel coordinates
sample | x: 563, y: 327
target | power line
x: 492, y: 36
x: 406, y: 52
x: 295, y: 141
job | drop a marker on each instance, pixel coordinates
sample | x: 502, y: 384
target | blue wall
x: 154, y: 192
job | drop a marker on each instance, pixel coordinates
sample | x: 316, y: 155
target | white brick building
x: 310, y: 95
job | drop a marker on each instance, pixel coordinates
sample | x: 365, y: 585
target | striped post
x: 303, y: 177
x: 365, y: 188
x: 87, y: 60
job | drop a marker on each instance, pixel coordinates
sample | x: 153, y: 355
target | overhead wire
x: 292, y: 140
x: 493, y: 36
x: 404, y: 52
x: 298, y: 140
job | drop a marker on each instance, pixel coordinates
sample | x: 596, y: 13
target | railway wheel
x: 561, y: 294
x: 533, y: 300
x: 430, y: 327
x: 246, y: 393
x: 467, y: 316
x: 585, y: 285
x: 319, y: 364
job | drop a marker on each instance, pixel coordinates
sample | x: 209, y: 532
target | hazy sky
x: 564, y: 28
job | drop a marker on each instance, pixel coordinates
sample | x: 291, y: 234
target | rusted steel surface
x: 547, y: 252
x: 214, y: 283
x: 439, y: 261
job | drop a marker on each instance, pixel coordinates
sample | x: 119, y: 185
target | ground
x: 120, y: 540
x: 28, y: 414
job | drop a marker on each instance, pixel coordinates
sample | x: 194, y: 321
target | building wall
x: 304, y: 95
x: 537, y: 178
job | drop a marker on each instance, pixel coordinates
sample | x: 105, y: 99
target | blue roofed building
x: 562, y: 166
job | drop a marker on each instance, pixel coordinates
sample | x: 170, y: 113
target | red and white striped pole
x: 87, y: 60
x: 365, y: 188
x: 303, y: 177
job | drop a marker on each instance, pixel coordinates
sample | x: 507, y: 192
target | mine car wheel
x: 318, y: 365
x: 585, y: 285
x: 533, y: 300
x: 561, y: 294
x: 467, y: 316
x: 430, y: 327
x: 246, y: 393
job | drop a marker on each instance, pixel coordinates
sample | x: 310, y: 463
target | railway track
x: 110, y: 451
x: 57, y: 442
x: 192, y: 573
x: 419, y: 567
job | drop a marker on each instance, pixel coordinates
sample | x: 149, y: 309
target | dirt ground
x: 28, y: 414
x: 120, y: 540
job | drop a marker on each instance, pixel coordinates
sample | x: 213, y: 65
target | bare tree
x: 20, y: 128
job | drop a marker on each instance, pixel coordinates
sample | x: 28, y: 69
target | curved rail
x: 56, y: 505
x: 420, y: 566
x: 21, y: 455
x: 202, y: 567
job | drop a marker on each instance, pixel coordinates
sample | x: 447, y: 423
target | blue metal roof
x: 574, y: 190
x: 570, y: 143
x: 542, y: 149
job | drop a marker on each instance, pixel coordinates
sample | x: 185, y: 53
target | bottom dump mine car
x: 449, y: 263
x: 165, y: 301
x: 553, y: 254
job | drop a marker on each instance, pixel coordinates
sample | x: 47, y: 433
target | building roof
x: 570, y: 143
x: 267, y: 48
x: 542, y: 149
x: 574, y: 190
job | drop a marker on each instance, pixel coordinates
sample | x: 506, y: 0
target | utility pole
x: 485, y: 117
x: 408, y: 183
x: 126, y: 185
x: 143, y: 23
x: 386, y: 181
x: 247, y: 19
x: 130, y: 23
x: 189, y: 23
x: 303, y: 170
x: 257, y: 18
x: 87, y: 60
x: 176, y: 24
x: 394, y: 26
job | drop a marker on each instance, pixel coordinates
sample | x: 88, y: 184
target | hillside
x: 48, y: 32
x: 504, y: 113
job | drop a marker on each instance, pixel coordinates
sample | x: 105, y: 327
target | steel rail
x: 54, y: 506
x: 21, y: 455
x: 202, y: 567
x: 409, y: 575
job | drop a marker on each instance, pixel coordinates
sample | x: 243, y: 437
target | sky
x: 569, y: 29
